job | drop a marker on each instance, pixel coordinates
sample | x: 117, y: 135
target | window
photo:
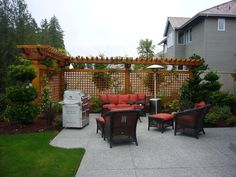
x: 181, y: 67
x: 181, y: 37
x: 221, y: 24
x: 189, y: 35
x: 170, y: 39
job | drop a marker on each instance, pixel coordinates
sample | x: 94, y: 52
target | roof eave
x: 162, y: 41
x: 205, y: 15
x: 166, y: 28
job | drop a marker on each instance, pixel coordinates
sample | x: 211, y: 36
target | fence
x: 168, y: 82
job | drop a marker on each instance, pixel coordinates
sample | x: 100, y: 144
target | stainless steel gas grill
x: 75, y: 111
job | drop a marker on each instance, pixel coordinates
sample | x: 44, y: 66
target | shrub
x: 3, y: 105
x: 22, y: 73
x: 21, y: 113
x: 191, y: 91
x: 46, y: 106
x: 211, y: 76
x: 95, y: 104
x: 57, y: 107
x: 21, y: 93
x: 175, y: 105
x: 223, y: 99
x: 220, y: 113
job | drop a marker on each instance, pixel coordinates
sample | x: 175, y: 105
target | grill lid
x: 72, y: 97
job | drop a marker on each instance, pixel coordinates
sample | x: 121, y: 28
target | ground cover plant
x: 31, y: 155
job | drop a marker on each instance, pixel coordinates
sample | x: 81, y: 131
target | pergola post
x: 127, y: 78
x: 37, y: 82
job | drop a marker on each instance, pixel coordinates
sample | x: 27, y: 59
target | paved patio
x: 157, y: 155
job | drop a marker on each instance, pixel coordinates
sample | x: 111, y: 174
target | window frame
x: 188, y: 36
x: 219, y: 28
x: 183, y: 37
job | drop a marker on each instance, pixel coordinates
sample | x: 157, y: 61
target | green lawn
x: 30, y: 155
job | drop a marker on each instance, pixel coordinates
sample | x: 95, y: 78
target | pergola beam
x: 45, y: 51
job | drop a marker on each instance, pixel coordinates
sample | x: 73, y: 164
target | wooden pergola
x: 39, y: 52
x: 36, y: 53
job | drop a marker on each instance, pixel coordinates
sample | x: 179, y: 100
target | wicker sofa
x: 138, y: 101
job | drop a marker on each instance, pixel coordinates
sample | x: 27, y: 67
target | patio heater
x: 155, y: 103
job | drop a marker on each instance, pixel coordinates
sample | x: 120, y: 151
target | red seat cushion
x: 108, y: 105
x: 100, y: 119
x: 122, y: 108
x: 122, y: 105
x: 163, y: 116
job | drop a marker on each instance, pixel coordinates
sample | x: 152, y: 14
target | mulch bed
x: 38, y: 125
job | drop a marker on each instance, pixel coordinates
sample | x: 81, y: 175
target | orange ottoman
x: 160, y: 119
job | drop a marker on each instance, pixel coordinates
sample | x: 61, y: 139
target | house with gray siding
x: 210, y: 33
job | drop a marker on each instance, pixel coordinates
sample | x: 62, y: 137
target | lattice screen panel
x: 137, y: 81
x: 168, y: 82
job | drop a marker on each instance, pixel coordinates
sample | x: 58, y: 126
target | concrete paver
x: 157, y: 155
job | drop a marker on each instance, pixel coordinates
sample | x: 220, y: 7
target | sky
x: 113, y: 27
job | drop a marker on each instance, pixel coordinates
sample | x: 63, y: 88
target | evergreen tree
x: 18, y: 27
x: 55, y: 33
x: 43, y: 34
x: 25, y: 25
x: 7, y: 40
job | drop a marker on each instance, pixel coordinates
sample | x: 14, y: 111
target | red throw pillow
x: 103, y: 97
x: 133, y: 98
x: 113, y: 98
x: 200, y: 104
x: 123, y: 99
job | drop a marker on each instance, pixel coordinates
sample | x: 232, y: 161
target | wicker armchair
x: 120, y: 123
x: 191, y: 119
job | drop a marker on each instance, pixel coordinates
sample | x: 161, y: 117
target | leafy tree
x: 145, y: 50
